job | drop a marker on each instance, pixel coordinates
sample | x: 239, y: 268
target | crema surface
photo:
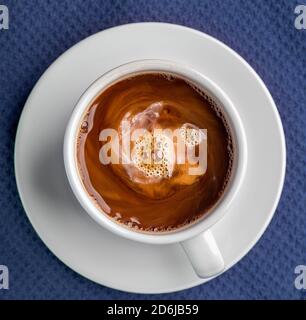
x: 157, y: 196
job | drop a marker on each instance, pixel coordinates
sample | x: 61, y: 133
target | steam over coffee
x: 154, y: 152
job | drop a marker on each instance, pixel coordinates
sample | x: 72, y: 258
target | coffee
x: 142, y: 184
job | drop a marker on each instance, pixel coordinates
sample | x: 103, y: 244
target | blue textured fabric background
x: 261, y: 31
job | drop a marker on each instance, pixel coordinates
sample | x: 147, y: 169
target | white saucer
x: 56, y: 215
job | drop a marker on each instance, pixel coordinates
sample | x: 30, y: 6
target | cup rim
x: 154, y: 65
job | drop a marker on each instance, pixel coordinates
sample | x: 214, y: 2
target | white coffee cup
x: 196, y: 239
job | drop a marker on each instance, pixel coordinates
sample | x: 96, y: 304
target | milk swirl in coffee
x: 133, y: 163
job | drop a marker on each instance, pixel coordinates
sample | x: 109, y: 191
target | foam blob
x: 153, y: 155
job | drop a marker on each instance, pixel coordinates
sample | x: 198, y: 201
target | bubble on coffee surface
x: 168, y: 76
x: 135, y: 224
x: 84, y: 126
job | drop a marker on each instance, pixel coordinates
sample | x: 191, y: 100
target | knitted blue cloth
x: 262, y: 32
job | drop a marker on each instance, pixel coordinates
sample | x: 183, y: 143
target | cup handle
x: 204, y: 254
